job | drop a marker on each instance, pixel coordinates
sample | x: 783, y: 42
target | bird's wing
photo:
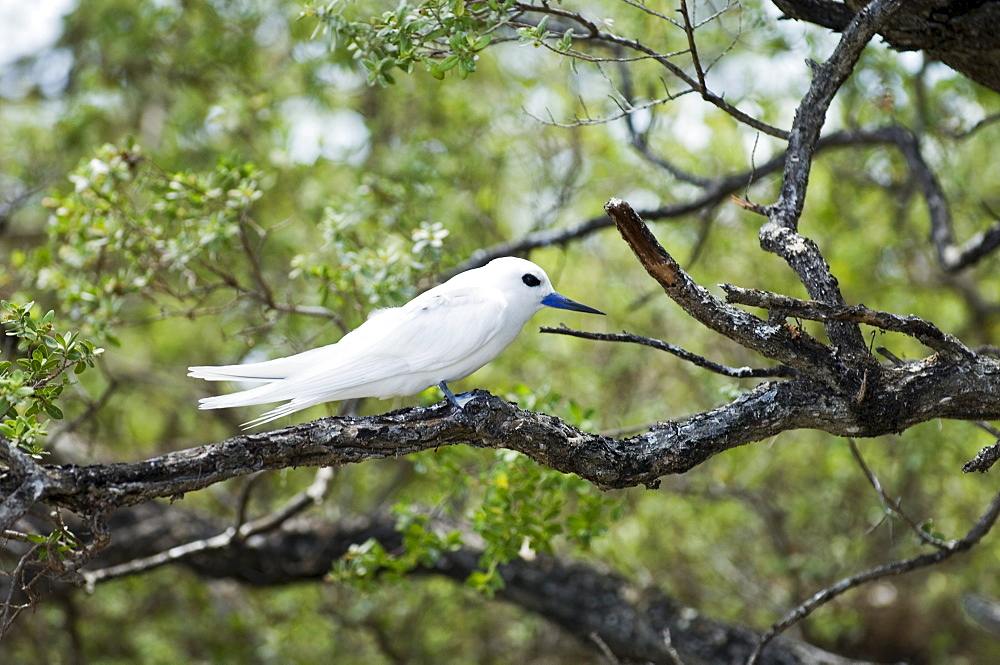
x: 444, y: 328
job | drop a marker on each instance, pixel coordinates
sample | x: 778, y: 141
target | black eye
x: 530, y: 279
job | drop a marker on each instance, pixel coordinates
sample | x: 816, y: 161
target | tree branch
x: 962, y: 35
x: 820, y: 598
x: 781, y: 305
x: 715, y: 191
x: 894, y: 398
x: 227, y: 538
x: 811, y: 114
x: 693, y: 358
x: 596, y: 35
x: 27, y: 488
x: 794, y: 348
x: 780, y: 233
x: 630, y: 622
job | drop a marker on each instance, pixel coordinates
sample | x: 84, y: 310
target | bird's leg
x: 451, y: 396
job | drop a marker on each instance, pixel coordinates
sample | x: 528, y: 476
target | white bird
x: 442, y: 335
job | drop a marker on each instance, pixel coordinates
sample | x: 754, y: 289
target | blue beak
x: 560, y: 301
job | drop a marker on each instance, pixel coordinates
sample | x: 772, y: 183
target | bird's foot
x: 458, y: 400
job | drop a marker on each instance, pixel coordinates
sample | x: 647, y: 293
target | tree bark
x: 962, y: 34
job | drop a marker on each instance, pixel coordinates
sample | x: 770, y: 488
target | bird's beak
x: 560, y: 301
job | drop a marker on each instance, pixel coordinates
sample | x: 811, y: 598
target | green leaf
x: 482, y: 42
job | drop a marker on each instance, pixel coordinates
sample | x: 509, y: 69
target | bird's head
x: 526, y: 286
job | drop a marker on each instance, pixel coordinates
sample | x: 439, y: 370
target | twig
x: 892, y: 506
x: 985, y: 122
x: 794, y: 348
x: 253, y: 256
x: 243, y: 502
x: 638, y: 137
x: 983, y: 460
x: 779, y: 234
x: 782, y: 371
x: 597, y: 35
x: 987, y: 427
x: 951, y: 257
x: 781, y: 305
x: 716, y: 191
x: 9, y: 611
x: 310, y: 496
x: 820, y: 598
x: 642, y: 7
x: 693, y: 48
x: 602, y: 646
x: 624, y: 112
x: 669, y: 644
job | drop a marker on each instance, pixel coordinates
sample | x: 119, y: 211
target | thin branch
x: 624, y: 112
x: 17, y: 583
x: 781, y: 305
x: 988, y: 428
x: 820, y: 598
x: 253, y: 257
x: 668, y: 644
x: 779, y: 371
x: 716, y: 191
x: 811, y: 114
x: 892, y: 506
x: 595, y: 34
x: 952, y: 257
x: 603, y: 648
x: 693, y: 48
x: 779, y: 234
x: 586, y: 57
x: 984, y: 460
x: 231, y: 536
x: 985, y: 122
x: 638, y: 137
x: 642, y: 7
x: 772, y: 340
x: 8, y: 207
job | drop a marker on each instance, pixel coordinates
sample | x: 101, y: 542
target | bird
x: 440, y: 336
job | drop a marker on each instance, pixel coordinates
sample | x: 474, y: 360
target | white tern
x: 442, y: 335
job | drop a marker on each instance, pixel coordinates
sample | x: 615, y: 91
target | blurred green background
x: 205, y: 181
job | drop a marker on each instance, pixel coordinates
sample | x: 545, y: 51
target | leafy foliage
x: 439, y: 36
x: 216, y: 239
x: 514, y: 507
x: 31, y: 384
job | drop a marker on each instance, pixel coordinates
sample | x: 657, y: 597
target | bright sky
x: 26, y: 27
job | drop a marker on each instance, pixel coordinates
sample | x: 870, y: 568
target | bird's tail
x: 285, y: 409
x: 238, y: 373
x: 259, y: 395
x: 268, y: 370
